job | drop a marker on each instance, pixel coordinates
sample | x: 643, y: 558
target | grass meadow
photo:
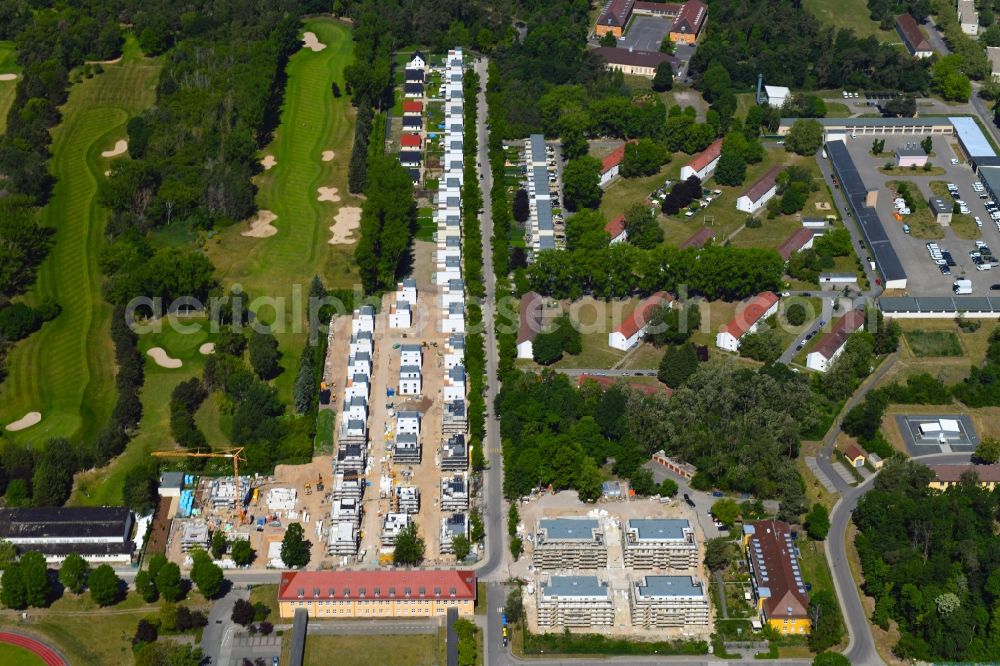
x: 66, y: 370
x: 7, y: 88
x: 312, y: 121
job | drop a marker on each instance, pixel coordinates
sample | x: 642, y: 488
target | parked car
x: 688, y: 500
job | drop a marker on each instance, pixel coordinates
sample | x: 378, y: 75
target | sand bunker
x: 345, y: 222
x: 26, y: 421
x: 163, y: 359
x: 120, y: 147
x: 327, y: 194
x: 268, y: 162
x: 260, y: 226
x: 328, y: 155
x: 207, y: 348
x: 8, y: 77
x: 310, y: 41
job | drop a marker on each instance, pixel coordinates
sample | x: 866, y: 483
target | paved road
x: 825, y: 315
x: 216, y: 638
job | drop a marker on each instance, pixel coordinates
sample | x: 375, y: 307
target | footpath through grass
x: 66, y: 370
x: 312, y: 121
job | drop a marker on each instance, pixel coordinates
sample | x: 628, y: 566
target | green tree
x: 727, y: 511
x: 294, y: 547
x: 145, y: 586
x: 668, y: 488
x: 663, y: 80
x: 35, y: 573
x: 804, y: 137
x: 731, y: 170
x: 206, y: 574
x: 987, y: 452
x: 827, y: 625
x: 242, y: 553
x: 720, y: 552
x: 105, y: 585
x: 546, y: 348
x: 677, y: 365
x: 609, y: 39
x: 409, y: 547
x: 763, y: 346
x: 461, y: 546
x: 218, y: 544
x: 516, y: 548
x: 673, y: 324
x: 948, y: 79
x: 139, y: 490
x: 642, y: 227
x: 264, y: 355
x: 642, y: 158
x: 8, y: 554
x: 168, y: 617
x: 13, y: 593
x: 168, y: 582
x: 818, y: 522
x: 581, y: 183
x: 830, y: 659
x: 73, y: 573
x: 795, y: 314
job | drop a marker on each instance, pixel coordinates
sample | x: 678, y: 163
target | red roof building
x: 946, y: 475
x: 410, y: 141
x: 628, y: 332
x: 410, y: 106
x: 913, y: 36
x: 703, y: 163
x: 530, y: 323
x: 378, y: 593
x: 698, y: 238
x: 761, y: 307
x: 822, y: 356
x: 668, y: 9
x: 689, y: 22
x: 613, y: 159
x: 778, y: 587
x: 614, y: 18
x: 855, y: 454
x: 616, y: 229
x: 800, y: 238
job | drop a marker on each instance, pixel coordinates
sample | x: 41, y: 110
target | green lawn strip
x: 323, y: 443
x: 104, y: 486
x: 312, y: 121
x: 934, y: 343
x: 66, y: 370
x: 411, y: 649
x: 11, y: 654
x: 267, y: 595
x: 965, y: 227
x: 850, y: 15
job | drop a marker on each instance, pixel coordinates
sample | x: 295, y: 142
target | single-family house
x: 801, y: 239
x: 777, y: 95
x: 822, y: 356
x: 747, y: 320
x: 855, y: 455
x: 410, y: 380
x: 704, y: 163
x: 611, y: 164
x: 412, y: 90
x: 760, y: 192
x: 633, y: 327
x: 614, y: 18
x: 968, y: 17
x: 417, y: 61
x: 616, y: 230
x: 410, y: 158
x: 413, y: 108
x: 689, y: 22
x: 913, y: 37
x: 410, y: 141
x: 414, y: 76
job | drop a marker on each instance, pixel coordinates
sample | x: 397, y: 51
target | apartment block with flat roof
x: 570, y: 543
x: 575, y: 602
x: 668, y: 601
x: 659, y: 543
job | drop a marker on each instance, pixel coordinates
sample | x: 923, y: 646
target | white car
x: 954, y: 162
x: 979, y: 222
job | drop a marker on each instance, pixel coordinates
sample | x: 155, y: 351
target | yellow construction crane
x: 236, y: 454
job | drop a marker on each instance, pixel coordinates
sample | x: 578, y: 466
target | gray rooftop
x: 937, y: 304
x: 410, y: 348
x: 670, y: 586
x: 408, y: 415
x: 569, y: 528
x: 856, y: 191
x: 456, y: 341
x: 875, y: 122
x: 406, y: 438
x: 409, y: 370
x: 359, y: 378
x: 453, y: 262
x: 939, y: 205
x: 544, y: 207
x: 546, y: 243
x: 456, y: 308
x: 576, y: 586
x: 410, y: 282
x: 537, y: 146
x: 971, y: 136
x: 540, y: 176
x: 172, y: 480
x: 457, y: 373
x: 659, y: 529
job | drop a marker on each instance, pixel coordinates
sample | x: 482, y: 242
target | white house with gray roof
x: 454, y: 384
x: 410, y: 380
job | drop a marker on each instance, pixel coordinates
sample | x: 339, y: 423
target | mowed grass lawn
x: 312, y: 121
x: 15, y: 656
x: 850, y: 15
x: 104, y: 486
x: 934, y: 343
x: 7, y: 88
x: 66, y: 370
x: 388, y: 650
x: 88, y: 634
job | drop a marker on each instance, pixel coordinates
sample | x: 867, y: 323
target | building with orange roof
x: 746, y: 321
x: 611, y: 164
x: 633, y: 327
x: 411, y: 107
x: 614, y: 18
x: 704, y: 163
x: 410, y: 141
x: 689, y: 22
x: 616, y: 229
x: 855, y: 455
x: 397, y: 593
x: 779, y: 591
x: 826, y: 351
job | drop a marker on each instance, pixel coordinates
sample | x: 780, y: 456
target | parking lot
x: 645, y: 33
x: 924, y: 278
x: 920, y: 444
